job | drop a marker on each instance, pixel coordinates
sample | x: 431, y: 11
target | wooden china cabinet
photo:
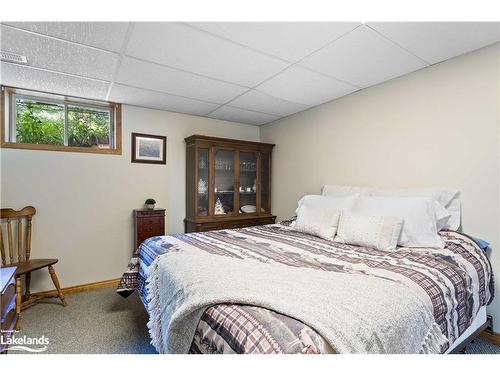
x: 228, y: 184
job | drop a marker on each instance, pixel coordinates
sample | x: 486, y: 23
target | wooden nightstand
x: 9, y: 307
x: 148, y: 223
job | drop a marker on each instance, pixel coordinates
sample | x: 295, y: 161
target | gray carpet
x: 101, y: 321
x: 97, y: 321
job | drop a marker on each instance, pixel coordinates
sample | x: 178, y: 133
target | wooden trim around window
x: 92, y: 150
x: 89, y: 150
x: 118, y: 129
x: 2, y: 115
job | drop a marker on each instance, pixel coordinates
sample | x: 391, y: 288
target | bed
x: 456, y: 284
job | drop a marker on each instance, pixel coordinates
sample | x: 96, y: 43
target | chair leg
x: 56, y: 284
x: 18, y: 303
x: 27, y: 280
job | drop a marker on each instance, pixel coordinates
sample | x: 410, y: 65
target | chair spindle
x: 2, y: 246
x: 11, y: 246
x: 19, y: 240
x: 28, y: 237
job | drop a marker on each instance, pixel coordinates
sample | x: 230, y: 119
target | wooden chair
x: 24, y: 264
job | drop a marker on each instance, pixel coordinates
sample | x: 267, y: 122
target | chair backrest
x: 7, y: 216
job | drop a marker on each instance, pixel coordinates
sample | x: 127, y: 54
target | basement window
x: 41, y: 121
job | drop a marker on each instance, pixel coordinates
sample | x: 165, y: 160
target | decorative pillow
x: 379, y: 232
x: 419, y: 226
x: 321, y: 223
x: 343, y: 191
x: 319, y: 215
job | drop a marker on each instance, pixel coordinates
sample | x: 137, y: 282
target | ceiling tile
x: 61, y: 56
x: 288, y: 40
x: 363, y: 58
x: 181, y: 46
x: 158, y: 100
x: 42, y: 80
x: 106, y: 35
x: 261, y: 102
x: 156, y: 77
x: 438, y: 41
x: 300, y: 85
x: 241, y: 115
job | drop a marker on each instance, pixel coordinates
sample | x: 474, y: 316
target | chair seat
x: 32, y: 265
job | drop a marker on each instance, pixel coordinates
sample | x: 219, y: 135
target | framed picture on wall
x: 147, y: 148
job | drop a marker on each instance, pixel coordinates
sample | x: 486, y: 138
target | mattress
x: 457, y: 280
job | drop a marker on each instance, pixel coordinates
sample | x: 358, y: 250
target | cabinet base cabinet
x: 193, y: 225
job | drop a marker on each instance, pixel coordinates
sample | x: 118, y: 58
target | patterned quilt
x: 456, y: 281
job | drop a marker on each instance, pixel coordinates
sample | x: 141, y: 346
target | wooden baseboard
x: 81, y: 288
x: 492, y: 337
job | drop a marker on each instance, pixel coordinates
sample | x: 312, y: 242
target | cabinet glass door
x: 248, y: 182
x: 265, y: 191
x: 224, y: 182
x: 202, y: 187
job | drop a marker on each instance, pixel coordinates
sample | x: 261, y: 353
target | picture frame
x: 149, y: 148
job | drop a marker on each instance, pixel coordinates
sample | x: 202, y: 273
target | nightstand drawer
x: 155, y: 220
x: 151, y: 225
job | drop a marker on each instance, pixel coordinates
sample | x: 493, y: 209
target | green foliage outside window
x: 43, y: 123
x: 87, y: 127
x: 39, y: 123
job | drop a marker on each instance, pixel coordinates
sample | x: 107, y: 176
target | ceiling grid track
x: 128, y: 34
x: 288, y: 67
x: 273, y: 87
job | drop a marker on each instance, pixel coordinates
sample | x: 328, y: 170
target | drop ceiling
x: 253, y: 73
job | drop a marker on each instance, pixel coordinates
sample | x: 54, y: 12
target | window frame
x: 8, y: 120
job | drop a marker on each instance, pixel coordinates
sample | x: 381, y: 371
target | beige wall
x: 435, y: 127
x: 84, y: 202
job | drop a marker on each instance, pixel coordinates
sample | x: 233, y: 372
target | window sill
x: 89, y: 150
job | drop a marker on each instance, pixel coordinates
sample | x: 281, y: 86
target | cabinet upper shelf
x: 227, y: 165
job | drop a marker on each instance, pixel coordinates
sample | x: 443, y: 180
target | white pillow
x: 327, y: 202
x: 442, y: 195
x: 454, y: 208
x: 343, y: 191
x: 319, y: 215
x: 321, y: 223
x: 447, y: 204
x: 419, y: 227
x: 379, y: 232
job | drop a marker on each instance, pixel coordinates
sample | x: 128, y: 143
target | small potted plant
x: 150, y: 204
